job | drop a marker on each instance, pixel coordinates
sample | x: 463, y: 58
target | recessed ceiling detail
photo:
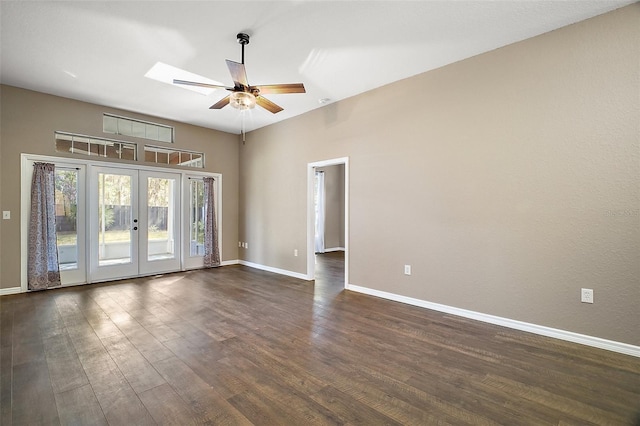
x: 165, y: 73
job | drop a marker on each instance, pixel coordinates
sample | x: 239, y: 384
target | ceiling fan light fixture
x: 242, y: 100
x: 244, y: 96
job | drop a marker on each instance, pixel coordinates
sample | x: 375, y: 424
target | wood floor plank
x: 47, y: 318
x: 148, y: 346
x: 203, y: 360
x: 350, y: 410
x: 288, y: 372
x: 583, y: 412
x: 119, y: 403
x: 261, y: 411
x: 6, y: 323
x: 167, y: 408
x: 295, y: 405
x: 205, y: 400
x: 161, y: 332
x: 79, y: 406
x: 6, y: 379
x: 146, y: 318
x: 190, y: 331
x: 393, y: 402
x: 102, y: 325
x: 136, y: 369
x: 65, y: 370
x: 27, y: 351
x: 33, y: 401
x: 451, y: 383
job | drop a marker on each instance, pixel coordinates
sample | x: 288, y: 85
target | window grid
x: 176, y: 157
x: 137, y: 128
x: 95, y: 146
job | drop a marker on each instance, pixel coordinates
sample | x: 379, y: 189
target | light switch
x: 6, y: 214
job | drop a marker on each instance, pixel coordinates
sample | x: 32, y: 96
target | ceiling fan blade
x: 221, y: 103
x: 268, y: 105
x: 269, y: 89
x: 238, y: 73
x: 195, y: 83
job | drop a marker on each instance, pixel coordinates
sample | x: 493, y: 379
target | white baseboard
x: 610, y: 345
x: 329, y: 250
x: 275, y: 270
x: 229, y: 262
x: 10, y: 290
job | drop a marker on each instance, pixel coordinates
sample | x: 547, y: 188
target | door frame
x: 25, y: 190
x: 311, y: 215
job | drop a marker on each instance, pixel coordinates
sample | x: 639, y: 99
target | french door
x: 134, y: 223
x: 116, y: 222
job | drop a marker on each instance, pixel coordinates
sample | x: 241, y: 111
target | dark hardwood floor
x: 236, y: 345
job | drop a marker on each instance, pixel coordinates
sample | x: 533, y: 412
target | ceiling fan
x: 244, y: 96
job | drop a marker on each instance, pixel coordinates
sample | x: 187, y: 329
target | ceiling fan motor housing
x: 243, y: 38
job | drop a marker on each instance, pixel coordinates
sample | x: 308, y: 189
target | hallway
x: 329, y: 273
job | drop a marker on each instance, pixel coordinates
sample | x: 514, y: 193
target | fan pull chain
x: 242, y: 125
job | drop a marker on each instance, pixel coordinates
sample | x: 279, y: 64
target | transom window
x: 177, y: 157
x: 137, y: 128
x: 94, y: 146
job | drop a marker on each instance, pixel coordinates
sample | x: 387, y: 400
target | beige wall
x: 27, y: 125
x: 334, y: 206
x: 508, y: 181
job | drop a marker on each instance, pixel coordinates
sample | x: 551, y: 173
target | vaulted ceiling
x: 100, y: 51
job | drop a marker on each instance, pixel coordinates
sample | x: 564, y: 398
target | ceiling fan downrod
x: 243, y: 39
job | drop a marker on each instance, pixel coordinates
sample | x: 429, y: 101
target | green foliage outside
x: 114, y: 191
x: 69, y: 238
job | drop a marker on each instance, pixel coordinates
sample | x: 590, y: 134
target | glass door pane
x: 114, y: 223
x: 159, y: 232
x: 160, y: 221
x: 115, y: 219
x: 193, y: 212
x: 70, y: 222
x: 196, y: 220
x: 66, y: 196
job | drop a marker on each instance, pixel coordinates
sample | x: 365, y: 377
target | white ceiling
x: 99, y: 51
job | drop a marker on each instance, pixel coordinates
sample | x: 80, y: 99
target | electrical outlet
x: 586, y: 295
x: 295, y: 252
x: 6, y: 214
x: 407, y: 269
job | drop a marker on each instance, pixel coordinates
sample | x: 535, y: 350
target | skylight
x: 167, y: 73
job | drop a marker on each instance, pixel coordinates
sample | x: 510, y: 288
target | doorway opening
x: 328, y: 218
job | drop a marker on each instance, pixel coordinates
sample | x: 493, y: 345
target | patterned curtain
x: 211, y: 249
x: 43, y: 270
